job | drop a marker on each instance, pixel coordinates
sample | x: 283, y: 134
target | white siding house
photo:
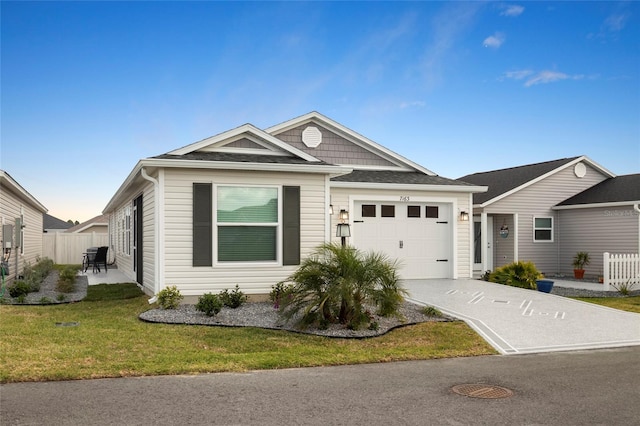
x: 21, y: 216
x: 245, y: 206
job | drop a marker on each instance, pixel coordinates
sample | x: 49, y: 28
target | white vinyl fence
x: 621, y: 270
x: 65, y: 248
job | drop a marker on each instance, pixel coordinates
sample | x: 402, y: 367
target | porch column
x: 515, y: 237
x: 483, y: 241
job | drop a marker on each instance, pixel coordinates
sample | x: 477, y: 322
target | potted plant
x: 579, y: 261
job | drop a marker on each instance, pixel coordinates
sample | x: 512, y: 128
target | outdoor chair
x: 100, y: 259
x: 89, y: 257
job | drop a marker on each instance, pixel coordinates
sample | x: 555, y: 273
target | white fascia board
x: 127, y: 182
x: 23, y: 193
x: 250, y: 130
x: 546, y: 175
x: 596, y: 205
x: 354, y: 137
x: 409, y: 187
x: 230, y: 165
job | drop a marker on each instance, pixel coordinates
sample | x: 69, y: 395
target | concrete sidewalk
x: 517, y: 321
x: 111, y: 276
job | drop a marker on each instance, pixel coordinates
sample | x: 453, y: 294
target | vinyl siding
x: 123, y: 260
x: 340, y: 200
x: 537, y: 200
x: 596, y: 231
x: 334, y: 149
x: 11, y: 207
x: 251, y: 278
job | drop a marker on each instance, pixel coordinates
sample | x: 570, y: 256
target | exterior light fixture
x: 343, y: 229
x: 464, y: 216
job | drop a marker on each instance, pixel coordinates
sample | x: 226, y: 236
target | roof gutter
x: 157, y: 229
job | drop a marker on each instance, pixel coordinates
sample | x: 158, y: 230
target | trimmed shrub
x: 19, y: 288
x: 517, y: 274
x: 234, y: 298
x: 210, y: 304
x: 169, y: 297
x: 67, y: 280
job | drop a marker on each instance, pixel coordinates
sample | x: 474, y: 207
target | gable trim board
x: 305, y: 183
x: 569, y: 163
x: 354, y: 137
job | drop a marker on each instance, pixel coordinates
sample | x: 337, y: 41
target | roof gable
x: 52, y: 222
x: 357, y: 151
x: 620, y: 189
x: 246, y: 139
x: 505, y: 182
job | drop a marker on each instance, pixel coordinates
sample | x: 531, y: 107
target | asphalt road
x: 598, y: 387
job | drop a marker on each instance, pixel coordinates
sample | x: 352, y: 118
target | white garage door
x: 419, y: 235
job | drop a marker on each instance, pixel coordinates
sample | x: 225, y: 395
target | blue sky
x: 89, y: 88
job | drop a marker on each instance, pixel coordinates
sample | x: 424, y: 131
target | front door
x: 137, y: 240
x: 477, y: 245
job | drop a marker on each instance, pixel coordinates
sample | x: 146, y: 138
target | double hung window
x: 247, y: 223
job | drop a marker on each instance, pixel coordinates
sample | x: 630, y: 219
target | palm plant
x: 337, y: 284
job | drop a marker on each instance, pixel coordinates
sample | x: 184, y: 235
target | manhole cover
x: 67, y: 324
x: 482, y: 391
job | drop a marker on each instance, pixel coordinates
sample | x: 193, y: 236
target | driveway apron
x: 517, y: 321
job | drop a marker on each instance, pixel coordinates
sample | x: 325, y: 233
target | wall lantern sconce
x: 504, y: 231
x: 343, y: 229
x: 464, y: 216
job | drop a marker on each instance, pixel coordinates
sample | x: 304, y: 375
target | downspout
x: 156, y: 213
x: 636, y: 207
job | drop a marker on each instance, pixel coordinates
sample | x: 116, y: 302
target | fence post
x: 605, y: 268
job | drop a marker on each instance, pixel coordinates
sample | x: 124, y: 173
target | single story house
x: 245, y: 206
x: 53, y: 224
x: 98, y: 224
x: 21, y: 215
x: 547, y: 212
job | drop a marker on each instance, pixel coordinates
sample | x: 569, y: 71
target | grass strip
x: 110, y: 341
x: 631, y: 304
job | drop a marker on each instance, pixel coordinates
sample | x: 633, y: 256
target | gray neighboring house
x: 53, y: 224
x: 21, y: 216
x: 245, y: 206
x: 546, y: 212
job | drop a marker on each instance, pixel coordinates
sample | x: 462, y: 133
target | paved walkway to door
x: 517, y: 321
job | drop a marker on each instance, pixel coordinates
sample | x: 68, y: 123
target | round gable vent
x: 580, y: 170
x: 311, y: 137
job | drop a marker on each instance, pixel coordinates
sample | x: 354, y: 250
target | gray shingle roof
x: 505, y: 180
x: 51, y: 222
x: 238, y: 158
x: 398, y: 177
x: 617, y: 189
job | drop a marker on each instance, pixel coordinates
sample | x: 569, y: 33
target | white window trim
x: 231, y: 264
x: 127, y: 230
x: 543, y: 229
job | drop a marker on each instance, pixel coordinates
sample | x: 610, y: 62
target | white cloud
x: 518, y: 75
x: 512, y: 10
x: 412, y: 104
x: 616, y: 22
x: 494, y: 41
x: 533, y: 78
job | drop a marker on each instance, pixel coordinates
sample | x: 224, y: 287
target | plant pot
x: 544, y: 285
x: 578, y: 273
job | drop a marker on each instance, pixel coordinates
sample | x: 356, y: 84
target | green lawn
x: 110, y: 341
x: 631, y: 304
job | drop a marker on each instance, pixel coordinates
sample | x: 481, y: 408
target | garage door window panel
x: 368, y: 210
x: 388, y: 211
x: 432, y: 212
x: 413, y: 211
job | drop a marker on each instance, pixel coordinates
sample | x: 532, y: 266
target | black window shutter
x: 291, y: 225
x: 202, y: 224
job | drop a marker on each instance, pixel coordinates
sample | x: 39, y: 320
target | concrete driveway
x: 517, y: 321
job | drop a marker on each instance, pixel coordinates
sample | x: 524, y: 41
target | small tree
x: 336, y: 284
